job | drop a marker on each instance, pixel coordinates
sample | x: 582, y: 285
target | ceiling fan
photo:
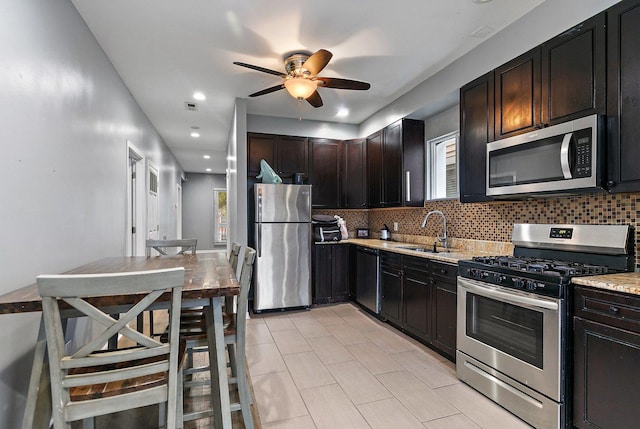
x: 301, y: 79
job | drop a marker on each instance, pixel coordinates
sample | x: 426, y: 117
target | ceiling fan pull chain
x: 299, y: 109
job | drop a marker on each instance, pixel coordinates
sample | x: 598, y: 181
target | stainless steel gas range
x: 513, y: 335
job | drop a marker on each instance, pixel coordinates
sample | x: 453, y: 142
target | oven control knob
x: 518, y: 283
x: 531, y: 285
x: 501, y: 279
x: 483, y: 275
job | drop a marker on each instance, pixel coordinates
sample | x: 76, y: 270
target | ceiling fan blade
x: 316, y: 62
x: 260, y: 69
x: 332, y: 82
x: 315, y: 100
x: 267, y: 91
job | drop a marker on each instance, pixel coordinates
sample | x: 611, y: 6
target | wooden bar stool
x: 193, y: 331
x: 91, y: 381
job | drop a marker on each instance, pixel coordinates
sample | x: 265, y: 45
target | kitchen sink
x: 419, y: 249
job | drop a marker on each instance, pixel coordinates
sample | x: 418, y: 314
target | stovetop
x: 547, y: 267
x: 536, y: 275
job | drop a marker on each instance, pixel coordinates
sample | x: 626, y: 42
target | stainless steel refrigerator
x: 283, y: 244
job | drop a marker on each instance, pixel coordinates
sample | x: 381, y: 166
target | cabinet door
x: 573, y: 72
x: 340, y: 272
x: 355, y: 174
x: 606, y: 376
x: 476, y: 130
x: 417, y: 302
x: 293, y: 156
x: 412, y: 174
x: 444, y: 316
x: 391, y: 287
x: 322, y: 273
x: 260, y: 146
x: 374, y: 169
x: 326, y: 173
x: 517, y: 95
x: 392, y: 165
x: 623, y: 98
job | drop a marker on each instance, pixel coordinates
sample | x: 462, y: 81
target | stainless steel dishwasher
x: 368, y: 278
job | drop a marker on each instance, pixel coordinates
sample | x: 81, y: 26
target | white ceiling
x: 165, y: 50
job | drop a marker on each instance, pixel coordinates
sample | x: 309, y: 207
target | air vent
x: 189, y: 105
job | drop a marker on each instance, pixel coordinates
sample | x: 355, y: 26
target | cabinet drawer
x: 444, y: 271
x: 420, y: 265
x: 615, y: 309
x: 391, y: 260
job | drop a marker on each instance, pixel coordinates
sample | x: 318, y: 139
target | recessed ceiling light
x: 195, y: 135
x: 343, y: 112
x: 207, y: 156
x: 208, y: 170
x: 199, y: 96
x: 481, y: 1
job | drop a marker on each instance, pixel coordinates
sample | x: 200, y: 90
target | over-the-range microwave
x: 560, y: 159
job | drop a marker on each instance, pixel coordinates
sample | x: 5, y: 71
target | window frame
x: 430, y: 147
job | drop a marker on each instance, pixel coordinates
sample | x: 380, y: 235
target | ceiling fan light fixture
x: 300, y: 88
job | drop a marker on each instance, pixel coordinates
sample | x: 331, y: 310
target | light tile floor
x: 337, y: 367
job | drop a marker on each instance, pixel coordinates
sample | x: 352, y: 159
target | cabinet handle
x: 408, y: 186
x: 614, y: 310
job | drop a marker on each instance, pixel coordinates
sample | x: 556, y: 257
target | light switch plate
x: 395, y: 226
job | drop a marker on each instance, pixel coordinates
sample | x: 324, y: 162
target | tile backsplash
x: 494, y: 221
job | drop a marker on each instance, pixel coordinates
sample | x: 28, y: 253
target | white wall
x: 197, y: 207
x: 305, y: 128
x: 237, y: 176
x: 442, y: 89
x: 65, y: 116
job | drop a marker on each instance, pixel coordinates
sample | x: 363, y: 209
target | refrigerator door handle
x: 259, y: 240
x: 259, y: 206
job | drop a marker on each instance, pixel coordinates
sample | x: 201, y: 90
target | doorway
x: 220, y: 216
x: 136, y: 202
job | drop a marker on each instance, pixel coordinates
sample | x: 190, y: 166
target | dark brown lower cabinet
x: 606, y: 360
x: 391, y: 287
x: 443, y: 277
x: 330, y: 273
x: 419, y: 297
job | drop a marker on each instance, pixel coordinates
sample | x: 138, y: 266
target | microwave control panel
x: 583, y: 153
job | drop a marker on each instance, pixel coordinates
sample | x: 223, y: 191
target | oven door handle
x: 513, y: 298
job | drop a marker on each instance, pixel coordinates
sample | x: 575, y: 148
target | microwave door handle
x: 564, y: 156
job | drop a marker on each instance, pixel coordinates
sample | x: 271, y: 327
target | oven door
x: 514, y: 332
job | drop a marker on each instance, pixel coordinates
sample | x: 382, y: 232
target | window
x: 442, y: 167
x: 220, y: 215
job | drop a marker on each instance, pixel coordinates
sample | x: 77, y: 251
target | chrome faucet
x: 442, y: 239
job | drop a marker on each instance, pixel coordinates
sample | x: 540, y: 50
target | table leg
x: 218, y: 364
x: 37, y: 413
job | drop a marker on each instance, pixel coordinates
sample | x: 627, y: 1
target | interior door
x: 153, y: 220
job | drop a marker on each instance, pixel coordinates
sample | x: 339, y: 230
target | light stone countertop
x: 452, y: 256
x: 620, y: 282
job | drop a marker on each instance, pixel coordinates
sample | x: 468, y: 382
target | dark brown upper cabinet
x: 574, y: 72
x: 326, y: 173
x: 395, y: 165
x: 374, y: 169
x: 517, y: 95
x: 476, y: 130
x: 560, y: 80
x: 392, y: 165
x: 355, y: 174
x: 623, y: 99
x: 285, y: 154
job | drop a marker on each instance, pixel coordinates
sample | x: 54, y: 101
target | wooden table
x: 208, y: 279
